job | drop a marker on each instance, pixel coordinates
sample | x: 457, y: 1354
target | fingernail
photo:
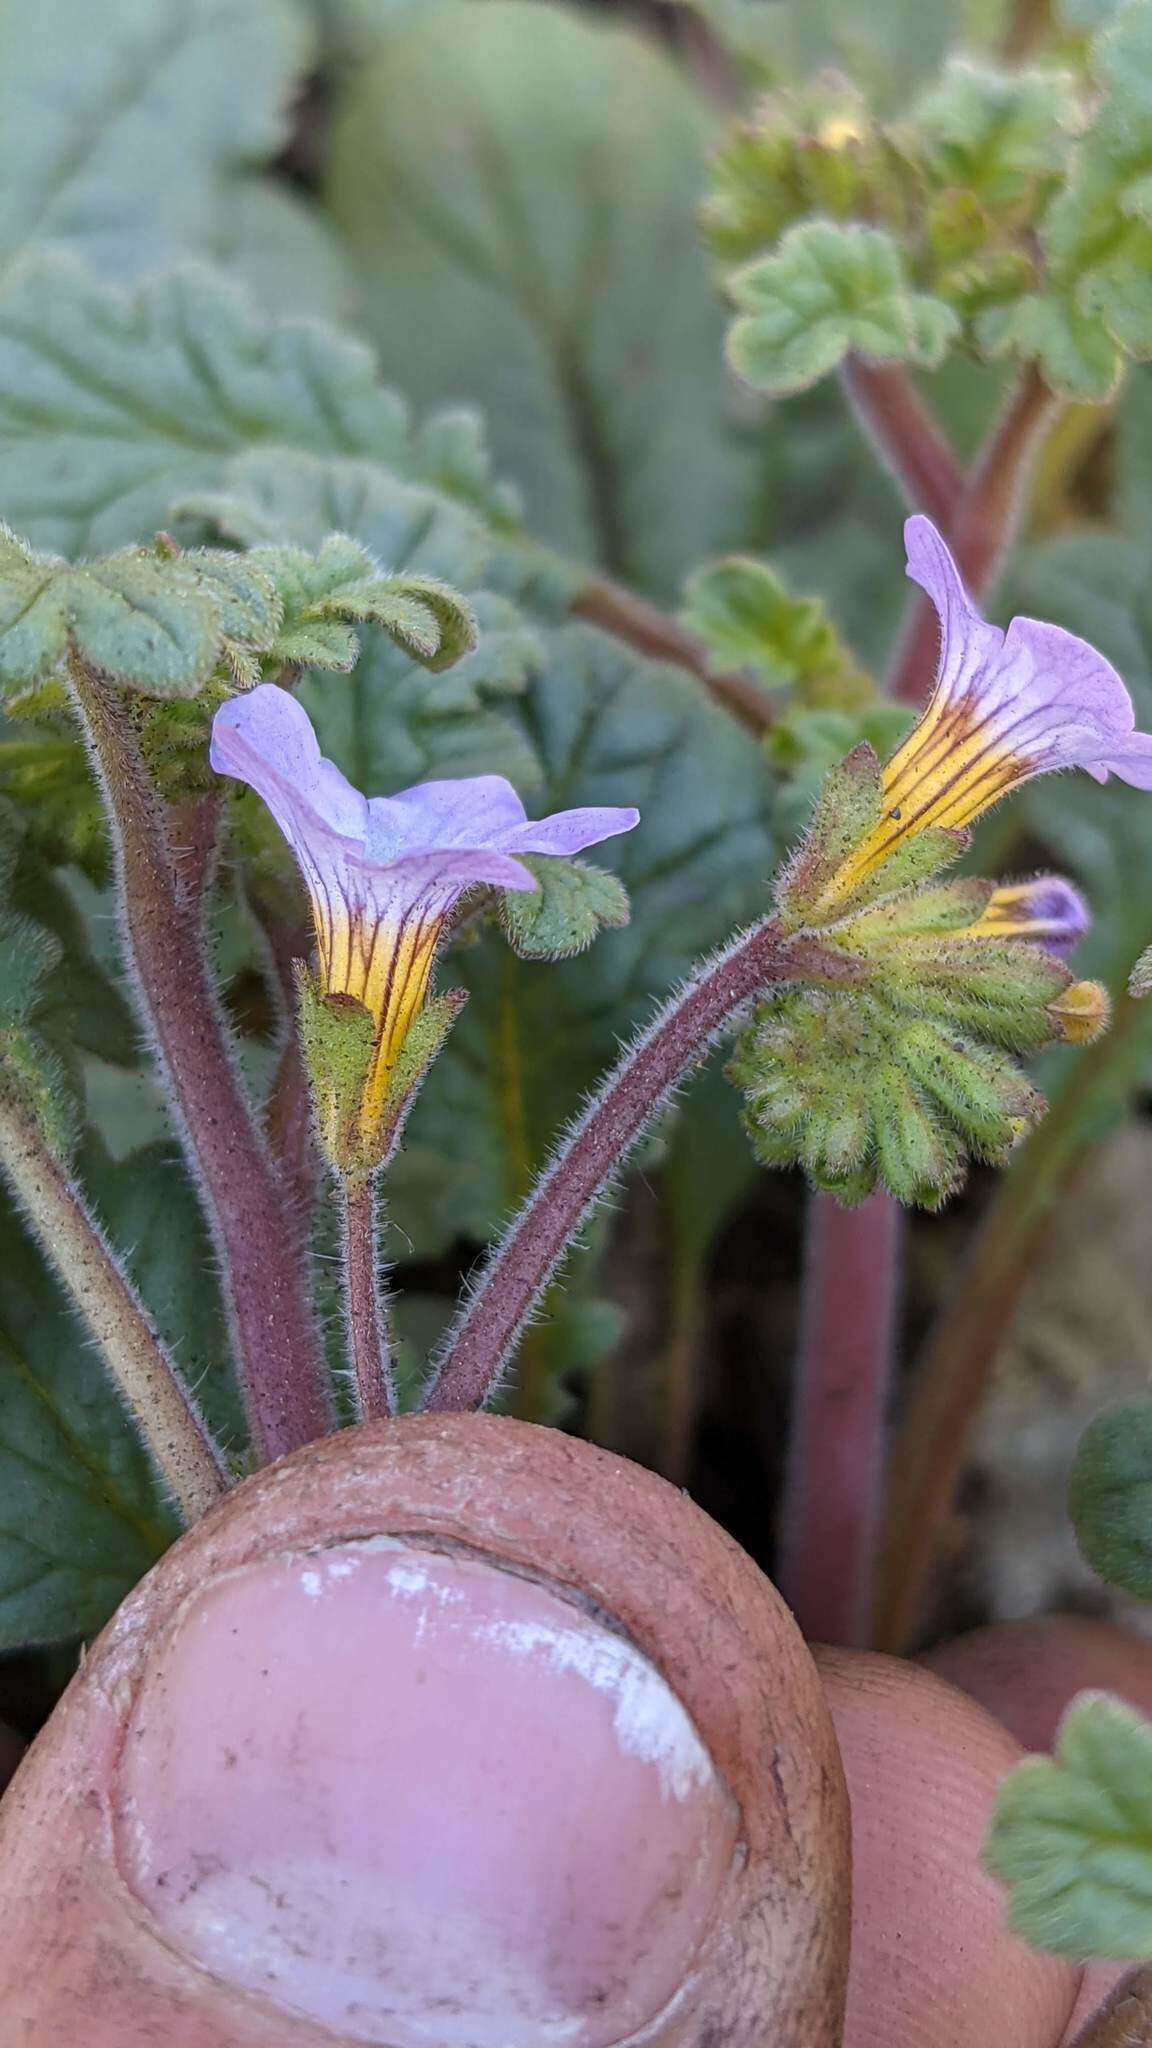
x: 422, y: 1801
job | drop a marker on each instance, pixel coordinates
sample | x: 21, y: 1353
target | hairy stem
x: 288, y: 1109
x: 908, y: 440
x: 984, y: 521
x: 642, y: 625
x: 953, y: 1375
x: 367, y: 1328
x: 501, y: 1302
x: 979, y: 513
x: 1125, y: 2018
x: 277, y: 1349
x: 177, y: 1439
x: 834, y: 1478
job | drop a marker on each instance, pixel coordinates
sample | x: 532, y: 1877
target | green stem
x: 165, y: 1414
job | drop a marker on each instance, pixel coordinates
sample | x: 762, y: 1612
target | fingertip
x: 933, y: 1964
x: 1025, y: 1672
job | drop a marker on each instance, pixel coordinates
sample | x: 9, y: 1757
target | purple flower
x: 1006, y: 706
x: 1048, y: 911
x: 384, y: 872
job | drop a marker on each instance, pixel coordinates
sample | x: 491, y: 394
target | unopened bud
x: 1081, y: 1014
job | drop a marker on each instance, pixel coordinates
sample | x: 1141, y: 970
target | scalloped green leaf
x: 748, y: 618
x: 115, y: 405
x: 828, y: 289
x: 998, y: 134
x: 393, y: 723
x: 149, y: 622
x: 571, y: 903
x: 1071, y: 1836
x: 318, y: 592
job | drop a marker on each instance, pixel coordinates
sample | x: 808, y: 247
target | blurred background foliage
x: 432, y: 272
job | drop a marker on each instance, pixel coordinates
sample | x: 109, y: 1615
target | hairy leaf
x: 115, y: 405
x: 748, y: 618
x: 128, y: 135
x: 392, y: 723
x: 519, y: 186
x: 1071, y: 1836
x: 826, y: 290
x: 571, y: 902
x: 80, y: 1516
x: 998, y: 134
x: 1111, y: 1497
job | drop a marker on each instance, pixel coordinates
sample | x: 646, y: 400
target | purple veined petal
x: 967, y: 641
x: 473, y: 811
x: 1132, y: 762
x: 265, y: 738
x: 444, y: 870
x: 569, y: 831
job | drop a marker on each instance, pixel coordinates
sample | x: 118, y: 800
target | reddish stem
x: 277, y: 1350
x: 905, y: 436
x: 500, y: 1305
x: 832, y: 1491
x: 367, y: 1329
x: 642, y: 625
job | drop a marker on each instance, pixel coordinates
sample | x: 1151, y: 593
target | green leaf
x: 1072, y: 1837
x: 519, y: 185
x: 886, y: 48
x: 997, y: 134
x: 829, y: 289
x: 392, y: 723
x: 422, y: 616
x: 114, y: 406
x: 1097, y: 306
x: 132, y: 134
x: 151, y: 623
x: 1075, y: 352
x: 27, y: 954
x: 80, y: 1516
x: 1110, y: 1497
x: 562, y: 916
x: 748, y: 618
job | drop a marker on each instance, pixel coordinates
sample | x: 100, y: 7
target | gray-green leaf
x: 827, y: 289
x: 1071, y: 1836
x: 570, y: 904
x: 519, y: 185
x: 113, y: 406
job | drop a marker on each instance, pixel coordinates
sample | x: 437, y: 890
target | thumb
x: 450, y: 1733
